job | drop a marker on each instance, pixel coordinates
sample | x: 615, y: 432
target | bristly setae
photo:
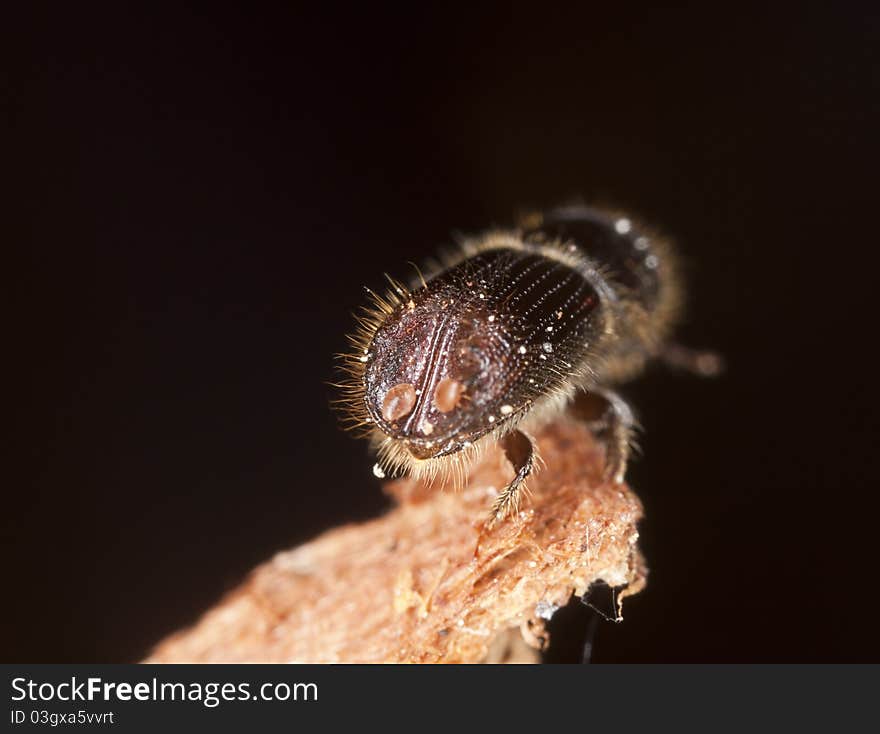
x: 513, y: 328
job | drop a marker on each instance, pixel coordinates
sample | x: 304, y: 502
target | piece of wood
x: 412, y: 586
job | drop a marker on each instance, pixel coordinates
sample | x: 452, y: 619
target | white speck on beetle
x: 651, y: 261
x: 522, y: 350
x: 623, y: 226
x: 506, y: 409
x: 491, y: 319
x: 549, y: 328
x: 377, y: 471
x: 491, y: 419
x: 548, y: 347
x: 641, y: 243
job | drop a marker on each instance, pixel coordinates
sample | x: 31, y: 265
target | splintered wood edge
x: 413, y: 585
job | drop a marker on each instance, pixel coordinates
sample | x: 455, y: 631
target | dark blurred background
x: 196, y: 200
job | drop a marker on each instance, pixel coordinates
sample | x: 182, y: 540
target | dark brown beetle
x: 515, y: 326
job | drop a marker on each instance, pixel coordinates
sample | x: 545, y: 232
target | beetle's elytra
x: 507, y: 333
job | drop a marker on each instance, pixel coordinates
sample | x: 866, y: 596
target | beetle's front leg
x: 612, y: 421
x: 521, y: 453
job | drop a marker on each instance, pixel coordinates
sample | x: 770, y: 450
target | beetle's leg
x: 520, y: 452
x: 700, y: 362
x: 612, y: 421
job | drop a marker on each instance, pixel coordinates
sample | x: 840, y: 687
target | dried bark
x: 412, y: 586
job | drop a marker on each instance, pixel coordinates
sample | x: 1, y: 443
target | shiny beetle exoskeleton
x: 515, y: 326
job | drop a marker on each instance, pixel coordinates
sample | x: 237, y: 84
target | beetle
x: 510, y: 330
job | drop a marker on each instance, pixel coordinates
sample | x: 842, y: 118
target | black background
x: 195, y: 201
